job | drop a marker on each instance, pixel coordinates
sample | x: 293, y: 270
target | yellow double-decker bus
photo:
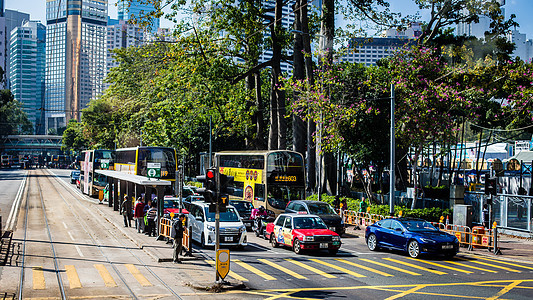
x: 135, y: 161
x: 265, y: 178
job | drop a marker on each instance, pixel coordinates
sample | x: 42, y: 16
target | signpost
x: 153, y: 170
x: 223, y: 261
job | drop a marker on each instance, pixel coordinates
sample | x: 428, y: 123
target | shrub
x: 431, y: 214
x: 353, y: 204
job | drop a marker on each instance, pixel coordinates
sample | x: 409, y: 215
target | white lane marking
x: 64, y: 224
x: 79, y: 250
x: 16, y: 204
x: 71, y: 237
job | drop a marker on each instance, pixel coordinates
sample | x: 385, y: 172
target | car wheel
x: 372, y: 242
x: 273, y: 241
x: 333, y: 251
x: 202, y: 241
x: 297, y: 247
x: 413, y: 249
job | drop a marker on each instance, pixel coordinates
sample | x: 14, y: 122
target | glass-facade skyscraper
x: 75, y: 57
x: 26, y: 72
x: 130, y: 9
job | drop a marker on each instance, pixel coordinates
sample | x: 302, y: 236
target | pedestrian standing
x: 178, y: 237
x: 486, y: 216
x: 126, y: 211
x: 151, y: 216
x: 138, y: 214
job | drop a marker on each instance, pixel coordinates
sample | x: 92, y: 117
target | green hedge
x: 432, y: 214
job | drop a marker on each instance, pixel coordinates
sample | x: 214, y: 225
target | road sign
x: 223, y: 261
x: 153, y: 170
x: 104, y: 164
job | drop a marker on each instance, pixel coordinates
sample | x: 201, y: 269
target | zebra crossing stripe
x: 315, y: 270
x: 104, y: 273
x: 282, y: 269
x: 415, y: 266
x: 38, y: 278
x: 73, y: 278
x: 137, y: 274
x: 254, y: 270
x: 364, y: 267
x: 338, y: 268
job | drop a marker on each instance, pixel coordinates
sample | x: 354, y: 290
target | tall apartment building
x: 524, y: 47
x: 121, y: 34
x: 131, y: 9
x: 27, y: 70
x: 9, y: 19
x: 75, y: 57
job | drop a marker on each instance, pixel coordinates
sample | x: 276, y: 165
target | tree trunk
x: 478, y: 168
x: 258, y: 116
x: 298, y: 125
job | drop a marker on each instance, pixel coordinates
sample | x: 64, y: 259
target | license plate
x: 331, y: 228
x: 336, y: 243
x: 447, y: 246
x: 228, y: 239
x: 323, y: 245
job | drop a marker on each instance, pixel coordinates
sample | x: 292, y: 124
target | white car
x: 202, y: 222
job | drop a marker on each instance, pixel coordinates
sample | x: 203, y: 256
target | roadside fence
x: 165, y: 229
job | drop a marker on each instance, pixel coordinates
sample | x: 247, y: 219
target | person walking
x: 138, y: 214
x: 126, y: 211
x: 151, y: 216
x: 177, y: 231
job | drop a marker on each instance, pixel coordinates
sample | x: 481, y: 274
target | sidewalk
x: 512, y: 248
x: 194, y: 271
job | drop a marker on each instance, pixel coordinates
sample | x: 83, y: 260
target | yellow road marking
x: 254, y: 270
x: 104, y: 273
x: 442, y: 266
x: 231, y: 273
x: 468, y: 266
x: 364, y: 267
x: 137, y: 274
x: 283, y: 269
x: 416, y: 288
x: 495, y: 266
x: 390, y: 267
x: 415, y: 266
x: 38, y: 278
x: 337, y: 268
x: 505, y: 290
x: 73, y: 278
x: 300, y: 264
x: 505, y: 263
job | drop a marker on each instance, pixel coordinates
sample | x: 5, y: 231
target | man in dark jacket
x: 125, y: 209
x: 178, y: 237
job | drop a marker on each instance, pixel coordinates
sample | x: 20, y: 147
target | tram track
x: 83, y: 224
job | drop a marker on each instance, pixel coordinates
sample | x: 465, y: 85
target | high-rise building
x: 121, y: 34
x: 9, y: 20
x: 75, y: 57
x: 477, y: 29
x: 131, y: 9
x: 524, y: 47
x: 27, y: 65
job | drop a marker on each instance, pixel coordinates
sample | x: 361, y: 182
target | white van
x: 202, y: 222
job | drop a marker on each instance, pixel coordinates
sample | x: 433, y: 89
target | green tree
x: 73, y: 137
x: 13, y: 120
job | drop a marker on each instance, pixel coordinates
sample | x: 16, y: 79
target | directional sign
x: 153, y: 170
x: 223, y: 260
x: 104, y: 164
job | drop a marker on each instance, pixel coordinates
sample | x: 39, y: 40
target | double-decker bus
x: 267, y: 178
x: 6, y: 161
x: 135, y: 161
x: 92, y: 160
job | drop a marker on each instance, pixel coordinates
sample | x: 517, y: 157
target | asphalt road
x: 354, y: 273
x: 10, y: 180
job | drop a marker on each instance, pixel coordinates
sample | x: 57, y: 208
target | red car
x: 302, y: 232
x: 172, y: 205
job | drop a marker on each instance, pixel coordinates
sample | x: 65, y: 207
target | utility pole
x: 217, y: 213
x: 392, y: 152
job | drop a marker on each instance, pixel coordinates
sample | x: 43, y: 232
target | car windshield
x: 309, y: 223
x: 242, y: 205
x: 418, y: 225
x: 171, y: 204
x: 229, y: 216
x: 320, y: 209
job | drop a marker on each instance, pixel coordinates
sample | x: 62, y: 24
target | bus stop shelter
x: 133, y: 186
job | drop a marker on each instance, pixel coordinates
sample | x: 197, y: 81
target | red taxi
x: 172, y: 205
x: 302, y: 232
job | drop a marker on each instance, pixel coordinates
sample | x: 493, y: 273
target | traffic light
x: 223, y: 201
x: 490, y: 185
x: 225, y: 184
x: 209, y: 190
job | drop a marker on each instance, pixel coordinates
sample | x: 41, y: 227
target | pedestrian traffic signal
x: 490, y: 185
x: 223, y: 202
x: 225, y: 184
x: 209, y: 189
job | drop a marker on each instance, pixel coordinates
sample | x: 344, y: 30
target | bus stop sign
x: 104, y: 164
x: 153, y: 170
x: 223, y: 262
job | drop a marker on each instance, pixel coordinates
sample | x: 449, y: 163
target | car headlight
x: 336, y: 238
x: 425, y: 240
x: 211, y: 228
x: 242, y: 229
x: 309, y: 238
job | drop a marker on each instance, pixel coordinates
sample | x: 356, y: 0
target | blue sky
x: 521, y: 8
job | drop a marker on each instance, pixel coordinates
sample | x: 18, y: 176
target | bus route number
x: 285, y: 178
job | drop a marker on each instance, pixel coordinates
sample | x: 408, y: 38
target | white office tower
x: 477, y: 29
x: 523, y: 46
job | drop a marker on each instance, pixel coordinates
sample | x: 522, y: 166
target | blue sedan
x: 414, y: 236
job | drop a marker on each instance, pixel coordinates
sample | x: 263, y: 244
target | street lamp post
x: 392, y: 152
